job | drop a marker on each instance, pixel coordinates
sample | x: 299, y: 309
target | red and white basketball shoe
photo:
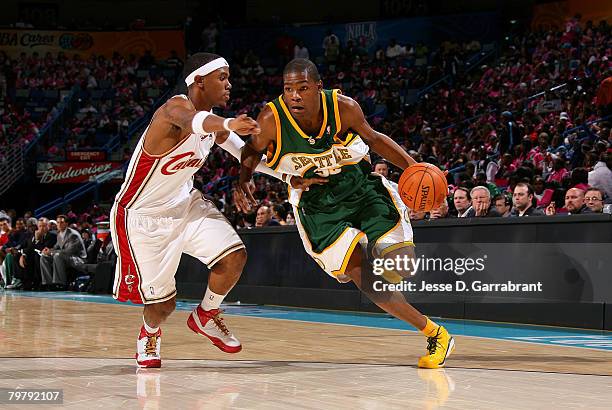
x: 210, y: 324
x: 148, y: 346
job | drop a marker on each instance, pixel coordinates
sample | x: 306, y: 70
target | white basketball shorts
x: 149, y: 246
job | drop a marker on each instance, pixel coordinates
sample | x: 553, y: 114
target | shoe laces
x: 432, y: 343
x: 151, y: 345
x: 218, y: 321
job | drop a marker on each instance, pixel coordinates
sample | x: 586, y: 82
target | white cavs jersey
x: 157, y: 217
x: 160, y: 182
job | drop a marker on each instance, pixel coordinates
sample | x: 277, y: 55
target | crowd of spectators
x: 529, y: 119
x: 50, y: 255
x: 532, y: 115
x: 526, y: 134
x: 109, y: 94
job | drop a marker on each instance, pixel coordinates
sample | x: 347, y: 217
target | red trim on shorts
x: 129, y: 282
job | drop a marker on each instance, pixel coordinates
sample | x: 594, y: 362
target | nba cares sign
x: 178, y: 162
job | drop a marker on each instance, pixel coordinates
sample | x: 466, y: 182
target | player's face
x: 217, y: 86
x: 301, y: 94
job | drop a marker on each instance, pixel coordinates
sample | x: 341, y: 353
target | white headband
x: 206, y: 69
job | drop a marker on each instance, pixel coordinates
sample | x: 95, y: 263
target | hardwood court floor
x: 87, y: 349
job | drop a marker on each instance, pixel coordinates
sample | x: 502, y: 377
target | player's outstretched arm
x: 250, y: 162
x: 251, y: 157
x: 233, y: 144
x: 180, y: 113
x: 352, y: 118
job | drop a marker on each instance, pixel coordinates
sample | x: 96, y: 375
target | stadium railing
x: 472, y: 62
x: 11, y: 167
x: 110, y: 147
x: 63, y: 109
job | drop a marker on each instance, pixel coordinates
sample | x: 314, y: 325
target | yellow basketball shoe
x: 440, y: 345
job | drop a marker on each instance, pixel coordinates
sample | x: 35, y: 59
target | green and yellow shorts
x: 378, y: 217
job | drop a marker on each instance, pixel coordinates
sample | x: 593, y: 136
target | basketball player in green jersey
x: 320, y: 140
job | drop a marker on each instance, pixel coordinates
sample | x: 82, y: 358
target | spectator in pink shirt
x: 559, y: 171
x: 543, y: 195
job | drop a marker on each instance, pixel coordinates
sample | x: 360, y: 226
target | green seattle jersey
x: 343, y: 159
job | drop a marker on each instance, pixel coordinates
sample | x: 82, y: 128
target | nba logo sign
x: 362, y: 34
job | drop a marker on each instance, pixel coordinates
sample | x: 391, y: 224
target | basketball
x: 422, y: 187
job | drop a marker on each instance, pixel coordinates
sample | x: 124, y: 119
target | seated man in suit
x: 481, y: 203
x: 68, y: 252
x: 27, y: 271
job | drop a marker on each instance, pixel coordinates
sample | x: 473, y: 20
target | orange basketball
x: 422, y: 187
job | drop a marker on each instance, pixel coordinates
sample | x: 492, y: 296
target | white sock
x: 211, y: 300
x: 150, y: 330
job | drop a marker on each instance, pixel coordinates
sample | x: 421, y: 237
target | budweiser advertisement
x: 76, y: 172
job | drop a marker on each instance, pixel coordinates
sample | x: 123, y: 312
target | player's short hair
x: 299, y: 65
x: 196, y: 61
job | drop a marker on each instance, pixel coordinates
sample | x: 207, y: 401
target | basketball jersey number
x: 324, y: 173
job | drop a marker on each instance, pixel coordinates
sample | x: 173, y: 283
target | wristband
x: 197, y: 123
x: 226, y: 124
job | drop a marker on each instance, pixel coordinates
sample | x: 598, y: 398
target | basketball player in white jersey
x: 157, y: 215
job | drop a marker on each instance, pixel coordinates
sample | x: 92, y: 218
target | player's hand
x: 243, y: 196
x: 244, y: 125
x: 550, y: 209
x: 305, y: 183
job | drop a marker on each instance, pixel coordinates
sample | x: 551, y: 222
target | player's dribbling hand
x: 243, y: 125
x: 305, y: 183
x: 243, y: 196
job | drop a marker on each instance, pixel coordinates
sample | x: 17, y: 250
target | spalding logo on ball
x: 422, y: 187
